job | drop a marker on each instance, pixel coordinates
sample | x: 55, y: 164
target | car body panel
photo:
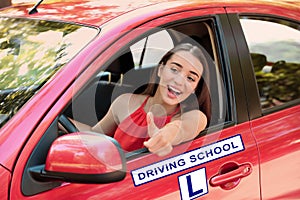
x: 268, y: 10
x: 278, y: 140
x: 110, y: 10
x: 6, y: 177
x: 120, y: 190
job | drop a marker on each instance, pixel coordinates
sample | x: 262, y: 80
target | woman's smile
x: 173, y: 92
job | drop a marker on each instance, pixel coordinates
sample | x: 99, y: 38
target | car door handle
x: 230, y: 175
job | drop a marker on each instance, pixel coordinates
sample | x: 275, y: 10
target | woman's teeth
x: 174, y: 91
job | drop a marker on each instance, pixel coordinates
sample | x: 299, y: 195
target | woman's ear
x: 159, y: 69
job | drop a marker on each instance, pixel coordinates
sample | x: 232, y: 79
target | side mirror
x: 83, y: 158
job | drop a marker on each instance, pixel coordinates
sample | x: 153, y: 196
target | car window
x: 130, y: 72
x: 274, y: 47
x: 148, y: 51
x: 31, y: 51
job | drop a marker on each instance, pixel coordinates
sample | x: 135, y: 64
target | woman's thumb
x: 151, y: 125
x: 149, y: 118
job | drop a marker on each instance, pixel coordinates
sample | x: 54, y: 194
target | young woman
x: 173, y: 109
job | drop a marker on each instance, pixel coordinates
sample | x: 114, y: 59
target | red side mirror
x: 85, y: 157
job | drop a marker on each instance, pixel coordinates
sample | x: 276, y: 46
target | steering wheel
x: 67, y: 124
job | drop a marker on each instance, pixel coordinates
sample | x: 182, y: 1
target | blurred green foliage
x: 25, y: 60
x: 278, y: 84
x: 31, y: 52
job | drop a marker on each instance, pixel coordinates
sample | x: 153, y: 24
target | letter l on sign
x: 193, y: 184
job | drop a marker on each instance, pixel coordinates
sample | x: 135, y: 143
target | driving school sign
x: 187, y: 160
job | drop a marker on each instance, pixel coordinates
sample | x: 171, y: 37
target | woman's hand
x: 160, y: 141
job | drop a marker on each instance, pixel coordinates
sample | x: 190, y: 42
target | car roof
x: 98, y: 12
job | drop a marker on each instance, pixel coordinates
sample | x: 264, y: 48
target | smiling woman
x: 31, y: 51
x: 173, y: 109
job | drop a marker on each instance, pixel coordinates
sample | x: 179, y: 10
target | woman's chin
x: 172, y: 99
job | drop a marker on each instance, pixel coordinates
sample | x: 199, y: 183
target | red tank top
x: 132, y: 131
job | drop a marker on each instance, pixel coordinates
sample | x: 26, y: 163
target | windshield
x: 31, y: 51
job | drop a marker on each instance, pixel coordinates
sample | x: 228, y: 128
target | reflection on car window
x: 275, y: 52
x: 31, y: 51
x: 148, y: 51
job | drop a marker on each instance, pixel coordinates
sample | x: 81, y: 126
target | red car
x: 70, y: 59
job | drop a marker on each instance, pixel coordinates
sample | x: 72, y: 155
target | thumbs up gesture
x: 152, y: 128
x: 160, y: 141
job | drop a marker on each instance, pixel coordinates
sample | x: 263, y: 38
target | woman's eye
x: 191, y: 79
x: 174, y: 70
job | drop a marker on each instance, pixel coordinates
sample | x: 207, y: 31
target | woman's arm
x: 108, y: 124
x: 177, y: 131
x: 190, y: 125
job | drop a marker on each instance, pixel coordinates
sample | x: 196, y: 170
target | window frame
x: 274, y: 19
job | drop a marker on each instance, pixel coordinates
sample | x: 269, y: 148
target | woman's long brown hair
x: 201, y: 99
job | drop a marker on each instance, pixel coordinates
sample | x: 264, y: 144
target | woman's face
x: 179, y: 77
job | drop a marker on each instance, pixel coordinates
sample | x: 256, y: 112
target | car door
x: 222, y: 163
x: 273, y: 41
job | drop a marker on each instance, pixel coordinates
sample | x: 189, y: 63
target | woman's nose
x: 179, y: 79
